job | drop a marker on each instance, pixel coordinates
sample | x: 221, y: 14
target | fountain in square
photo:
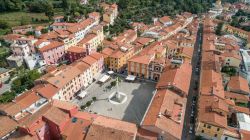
x: 117, y: 97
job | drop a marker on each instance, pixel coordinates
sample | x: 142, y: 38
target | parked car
x: 191, y: 129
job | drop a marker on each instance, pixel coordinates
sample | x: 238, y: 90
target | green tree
x: 219, y: 27
x: 7, y: 97
x: 50, y: 13
x: 65, y: 4
x: 45, y: 30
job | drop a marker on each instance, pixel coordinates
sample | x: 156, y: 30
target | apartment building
x: 60, y: 119
x: 239, y: 32
x: 118, y: 59
x: 73, y: 78
x: 92, y: 40
x: 138, y: 65
x: 75, y: 53
x: 165, y: 115
x: 96, y: 63
x: 22, y: 29
x: 238, y: 84
x: 110, y: 12
x: 118, y: 51
x: 29, y: 102
x: 219, y: 112
x: 52, y: 52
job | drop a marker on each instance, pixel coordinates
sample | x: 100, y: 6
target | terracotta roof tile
x: 175, y: 77
x: 89, y: 60
x: 7, y: 125
x: 48, y: 91
x: 206, y: 115
x: 112, y: 129
x: 52, y: 45
x: 211, y: 83
x: 238, y: 83
x: 143, y: 134
x: 76, y: 49
x: 96, y: 55
x: 164, y: 113
x: 56, y: 115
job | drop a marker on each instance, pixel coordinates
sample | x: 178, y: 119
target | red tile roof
x: 76, y: 49
x: 143, y: 134
x: 52, y: 45
x: 48, y: 91
x: 111, y: 129
x: 89, y: 60
x: 64, y: 105
x: 175, y: 77
x: 238, y: 83
x: 56, y: 115
x: 141, y: 59
x: 164, y: 113
x: 76, y: 130
x: 96, y: 55
x: 211, y: 84
x: 7, y: 125
x: 241, y: 97
x: 209, y: 116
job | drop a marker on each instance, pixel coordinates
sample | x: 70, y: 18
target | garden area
x: 241, y: 104
x: 24, y: 80
x: 231, y: 71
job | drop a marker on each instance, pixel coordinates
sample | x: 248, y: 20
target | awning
x: 82, y: 94
x: 130, y: 77
x: 104, y: 78
x: 110, y: 72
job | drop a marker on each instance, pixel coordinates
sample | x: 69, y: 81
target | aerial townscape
x: 124, y: 69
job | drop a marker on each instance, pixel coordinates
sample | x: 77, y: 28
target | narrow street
x: 193, y: 90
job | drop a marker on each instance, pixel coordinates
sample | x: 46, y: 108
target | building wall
x: 230, y: 61
x: 72, y: 57
x: 119, y: 64
x: 209, y: 131
x: 24, y: 30
x: 21, y: 50
x: 54, y: 56
x: 138, y: 69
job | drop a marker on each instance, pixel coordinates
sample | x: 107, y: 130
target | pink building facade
x: 53, y: 53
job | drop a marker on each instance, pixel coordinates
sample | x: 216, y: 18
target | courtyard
x: 139, y: 94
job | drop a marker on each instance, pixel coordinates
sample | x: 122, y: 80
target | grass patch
x: 15, y: 18
x: 241, y: 104
x: 4, y: 50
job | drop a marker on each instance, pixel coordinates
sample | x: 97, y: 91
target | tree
x: 50, y: 13
x: 94, y: 98
x: 235, y: 22
x: 65, y: 4
x: 7, y: 97
x: 44, y: 31
x: 219, y: 28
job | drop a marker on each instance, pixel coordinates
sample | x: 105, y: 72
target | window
x: 202, y: 131
x: 215, y: 135
x: 226, y: 138
x: 208, y: 126
x: 204, y: 125
x: 218, y: 129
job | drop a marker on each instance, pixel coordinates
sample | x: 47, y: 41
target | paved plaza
x: 139, y: 94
